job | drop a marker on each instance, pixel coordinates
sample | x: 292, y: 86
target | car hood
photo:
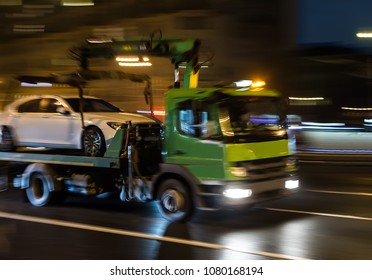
x: 117, y: 117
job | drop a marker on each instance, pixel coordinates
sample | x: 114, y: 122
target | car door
x: 39, y: 124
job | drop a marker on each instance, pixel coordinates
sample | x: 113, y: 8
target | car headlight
x: 115, y: 125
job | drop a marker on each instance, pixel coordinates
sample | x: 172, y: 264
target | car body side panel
x: 59, y: 130
x: 34, y: 129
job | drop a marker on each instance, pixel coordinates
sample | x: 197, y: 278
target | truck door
x: 195, y: 141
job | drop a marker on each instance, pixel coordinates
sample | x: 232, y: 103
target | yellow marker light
x: 258, y: 84
x: 244, y: 85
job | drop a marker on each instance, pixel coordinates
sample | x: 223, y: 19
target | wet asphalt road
x: 330, y: 218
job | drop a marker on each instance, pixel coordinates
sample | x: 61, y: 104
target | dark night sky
x: 334, y: 21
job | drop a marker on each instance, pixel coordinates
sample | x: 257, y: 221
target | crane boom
x: 177, y: 50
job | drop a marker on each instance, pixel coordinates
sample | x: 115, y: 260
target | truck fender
x: 177, y: 172
x: 48, y: 173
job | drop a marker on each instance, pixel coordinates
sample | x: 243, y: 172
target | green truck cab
x: 224, y: 147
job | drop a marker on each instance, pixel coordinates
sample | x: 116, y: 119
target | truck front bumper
x: 216, y: 195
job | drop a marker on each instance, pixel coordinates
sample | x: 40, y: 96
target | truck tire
x: 174, y: 200
x: 41, y: 186
x: 38, y: 192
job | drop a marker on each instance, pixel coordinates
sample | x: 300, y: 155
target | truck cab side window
x: 194, y: 119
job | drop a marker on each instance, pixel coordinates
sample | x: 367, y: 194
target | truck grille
x: 264, y: 169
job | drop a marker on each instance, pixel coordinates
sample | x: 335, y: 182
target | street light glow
x: 364, y: 34
x: 135, y: 64
x: 77, y: 3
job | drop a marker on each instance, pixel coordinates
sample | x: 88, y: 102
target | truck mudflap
x: 218, y: 195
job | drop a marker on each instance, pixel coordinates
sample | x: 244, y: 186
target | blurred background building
x: 305, y: 48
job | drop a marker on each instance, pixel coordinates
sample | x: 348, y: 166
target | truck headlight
x: 237, y: 193
x: 292, y: 184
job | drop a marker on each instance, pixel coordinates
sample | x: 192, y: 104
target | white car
x: 53, y: 121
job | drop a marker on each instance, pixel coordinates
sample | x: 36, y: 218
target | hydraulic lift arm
x: 178, y: 50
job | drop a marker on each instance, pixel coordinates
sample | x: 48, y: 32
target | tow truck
x: 219, y: 147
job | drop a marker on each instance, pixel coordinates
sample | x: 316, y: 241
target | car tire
x: 6, y: 139
x: 93, y: 142
x: 174, y: 200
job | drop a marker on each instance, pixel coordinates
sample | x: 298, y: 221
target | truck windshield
x: 252, y: 118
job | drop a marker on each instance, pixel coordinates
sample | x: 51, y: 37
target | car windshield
x: 92, y: 105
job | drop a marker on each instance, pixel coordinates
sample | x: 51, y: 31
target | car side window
x: 49, y: 105
x: 40, y: 105
x: 31, y: 106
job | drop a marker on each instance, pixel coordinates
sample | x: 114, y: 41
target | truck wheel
x: 38, y: 192
x: 174, y: 201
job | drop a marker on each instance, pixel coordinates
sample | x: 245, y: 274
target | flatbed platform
x: 60, y: 159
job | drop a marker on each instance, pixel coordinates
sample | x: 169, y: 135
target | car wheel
x: 6, y: 139
x: 94, y: 143
x: 174, y: 201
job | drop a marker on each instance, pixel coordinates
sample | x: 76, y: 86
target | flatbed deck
x: 60, y: 159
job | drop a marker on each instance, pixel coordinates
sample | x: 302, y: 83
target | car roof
x: 23, y: 99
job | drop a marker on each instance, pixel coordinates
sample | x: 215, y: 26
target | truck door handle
x: 179, y: 152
